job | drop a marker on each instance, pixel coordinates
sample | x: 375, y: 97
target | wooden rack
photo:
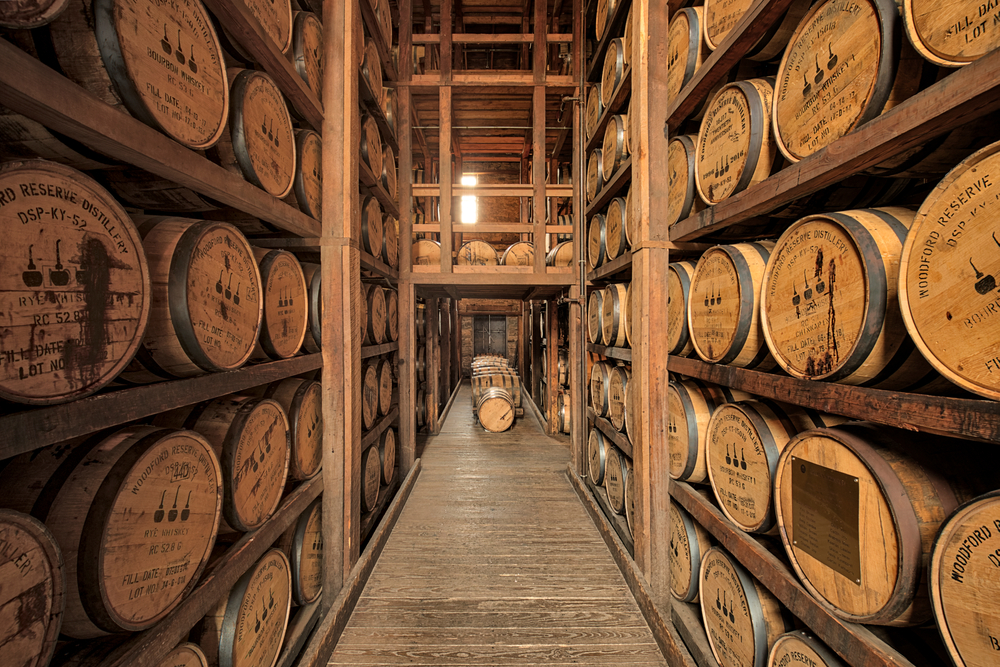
x: 620, y: 439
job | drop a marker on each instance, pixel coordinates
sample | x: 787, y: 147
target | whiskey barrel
x: 387, y: 454
x: 390, y: 107
x: 384, y: 369
x: 595, y: 312
x: 723, y: 305
x: 597, y: 249
x: 421, y: 407
x: 828, y: 306
x: 560, y: 255
x: 247, y: 627
x: 476, y: 253
x: 627, y: 37
x: 564, y: 412
x: 313, y: 338
x: 690, y: 406
x: 616, y: 221
x: 962, y: 581
x: 371, y: 226
x: 605, y: 10
x: 742, y: 618
x: 68, y: 329
x: 388, y: 175
x: 250, y: 437
x: 678, y: 287
x: 376, y: 327
x: 426, y: 253
x: 507, y: 380
x: 390, y: 241
x: 260, y: 144
x: 371, y: 144
x: 951, y: 35
x: 799, y: 648
x: 391, y: 315
x: 135, y: 514
x: 286, y: 312
x: 613, y: 70
x: 207, y: 291
x: 521, y: 253
x: 686, y: 48
x: 600, y: 377
x: 307, y: 50
x: 33, y: 586
x: 363, y: 302
x: 721, y: 17
x: 629, y: 220
x: 597, y: 455
x: 947, y: 290
x: 28, y: 14
x: 743, y: 480
x: 616, y: 469
x: 618, y: 384
x: 614, y: 315
x: 97, y: 652
x: 495, y: 410
x: 421, y: 364
x: 841, y: 69
x: 594, y: 111
x: 302, y: 544
x: 735, y: 146
x: 683, y: 199
x: 302, y: 401
x: 22, y: 138
x: 858, y: 470
x: 595, y: 174
x: 689, y: 542
x: 615, y: 149
x: 162, y: 64
x: 369, y: 395
x: 307, y: 185
x: 371, y: 68
x: 562, y: 368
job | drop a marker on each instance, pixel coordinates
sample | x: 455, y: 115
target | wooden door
x: 489, y: 335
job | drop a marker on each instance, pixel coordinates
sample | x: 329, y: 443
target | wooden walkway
x: 494, y: 561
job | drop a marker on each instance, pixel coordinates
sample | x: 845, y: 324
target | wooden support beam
x: 536, y: 348
x: 444, y: 148
x: 538, y: 175
x: 446, y: 384
x: 445, y: 47
x: 432, y: 367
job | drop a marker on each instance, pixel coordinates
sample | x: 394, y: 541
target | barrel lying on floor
x: 496, y: 393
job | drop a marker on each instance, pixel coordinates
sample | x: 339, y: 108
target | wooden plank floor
x: 494, y: 561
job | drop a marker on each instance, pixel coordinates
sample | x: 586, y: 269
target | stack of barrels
x: 610, y: 234
x: 496, y: 392
x: 379, y: 390
x: 609, y: 316
x: 425, y: 375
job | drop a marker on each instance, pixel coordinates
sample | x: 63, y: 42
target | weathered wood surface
x: 533, y: 586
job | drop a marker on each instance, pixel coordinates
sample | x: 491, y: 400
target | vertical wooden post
x: 521, y: 343
x: 446, y: 385
x: 536, y: 350
x: 407, y: 300
x: 552, y: 365
x: 538, y: 135
x: 433, y: 366
x: 577, y: 344
x: 444, y: 146
x: 649, y: 301
x: 458, y: 345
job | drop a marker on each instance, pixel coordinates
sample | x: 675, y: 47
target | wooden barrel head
x: 387, y: 454
x: 391, y: 315
x: 963, y: 582
x: 678, y: 287
x: 595, y: 309
x: 627, y: 37
x: 617, y: 390
x: 742, y: 619
x: 688, y: 543
x: 597, y: 453
x: 186, y: 654
x: 835, y: 75
x: 390, y: 241
x: 723, y: 305
x: 595, y: 174
x: 262, y: 133
x: 720, y: 17
x: 495, y: 410
x: 421, y: 363
x: 305, y: 554
x: 376, y: 315
x: 560, y: 255
x: 302, y: 401
x: 308, y: 183
x: 263, y: 594
x: 735, y: 148
x: 426, y: 253
x: 371, y: 477
x: 389, y: 107
x: 286, y: 311
x: 307, y: 50
x: 600, y: 376
x: 28, y: 14
x: 615, y: 470
x: 615, y: 147
x: 33, y: 587
x: 73, y: 267
x: 950, y: 35
x: 521, y: 253
x: 828, y: 304
x: 604, y: 10
x: 597, y: 241
x: 371, y: 67
x: 800, y: 649
x: 613, y: 315
x: 371, y: 226
x: 611, y: 73
x: 686, y: 49
x: 389, y: 171
x: 690, y: 407
x: 947, y: 289
x: 614, y: 228
x: 683, y: 199
x: 371, y: 144
x: 369, y: 393
x: 384, y: 386
x: 210, y: 281
x: 476, y: 253
x: 593, y: 112
x: 313, y: 276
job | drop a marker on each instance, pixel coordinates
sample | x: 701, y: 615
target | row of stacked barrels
x: 379, y: 394
x: 496, y: 392
x: 811, y: 80
x: 610, y: 469
x: 610, y: 233
x: 861, y: 510
x: 172, y: 68
x: 609, y: 315
x: 563, y: 394
x: 107, y: 533
x: 93, y: 295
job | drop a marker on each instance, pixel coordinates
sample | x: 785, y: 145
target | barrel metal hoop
x: 692, y: 429
x: 771, y: 451
x: 890, y: 46
x: 746, y: 297
x: 694, y: 45
x: 758, y: 126
x: 694, y: 549
x: 755, y: 609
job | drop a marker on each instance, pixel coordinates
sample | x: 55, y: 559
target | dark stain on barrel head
x: 84, y: 355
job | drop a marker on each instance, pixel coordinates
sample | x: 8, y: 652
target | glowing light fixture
x: 470, y: 207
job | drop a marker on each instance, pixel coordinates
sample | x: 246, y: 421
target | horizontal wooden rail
x: 615, y: 269
x: 607, y: 428
x: 621, y: 96
x: 617, y: 184
x: 615, y: 27
x: 622, y: 353
x: 369, y: 351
